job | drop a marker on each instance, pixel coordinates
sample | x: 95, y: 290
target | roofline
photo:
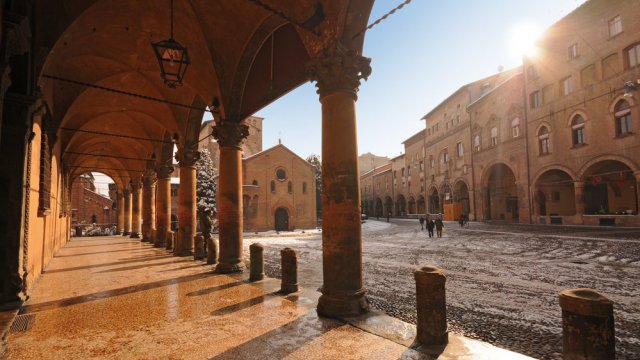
x: 273, y: 148
x: 517, y: 73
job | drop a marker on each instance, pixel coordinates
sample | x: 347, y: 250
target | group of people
x: 431, y: 224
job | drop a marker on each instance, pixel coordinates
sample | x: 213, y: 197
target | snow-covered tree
x: 206, y: 185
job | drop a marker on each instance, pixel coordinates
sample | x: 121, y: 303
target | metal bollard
x: 587, y: 325
x: 256, y: 258
x: 198, y: 247
x: 431, y: 306
x: 289, y: 268
x: 212, y: 251
x: 169, y: 240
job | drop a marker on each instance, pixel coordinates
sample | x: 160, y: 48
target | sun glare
x: 522, y: 40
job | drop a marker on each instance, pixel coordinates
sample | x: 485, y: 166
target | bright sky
x: 420, y: 56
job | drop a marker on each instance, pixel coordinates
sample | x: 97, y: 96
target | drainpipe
x: 526, y: 137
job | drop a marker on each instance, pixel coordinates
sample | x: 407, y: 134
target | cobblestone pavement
x: 503, y: 281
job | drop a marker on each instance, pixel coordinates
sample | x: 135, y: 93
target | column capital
x: 229, y: 133
x: 164, y: 171
x: 126, y: 192
x: 338, y: 68
x: 150, y: 178
x: 187, y: 157
x: 136, y: 185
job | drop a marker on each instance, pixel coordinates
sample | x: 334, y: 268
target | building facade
x: 554, y: 141
x: 89, y: 206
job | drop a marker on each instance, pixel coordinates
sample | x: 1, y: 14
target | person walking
x: 430, y: 226
x: 439, y: 226
x: 421, y: 222
x: 388, y: 216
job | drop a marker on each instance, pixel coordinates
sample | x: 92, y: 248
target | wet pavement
x: 114, y: 297
x: 503, y: 281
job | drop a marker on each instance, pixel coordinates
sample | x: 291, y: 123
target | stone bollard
x: 198, y: 247
x: 256, y: 258
x: 212, y: 251
x: 289, y: 269
x: 587, y: 325
x: 169, y: 240
x: 431, y: 306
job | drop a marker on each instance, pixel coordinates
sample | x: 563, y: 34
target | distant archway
x: 554, y: 194
x: 434, y: 202
x: 610, y: 188
x: 412, y: 205
x: 282, y: 219
x: 501, y: 196
x: 401, y: 206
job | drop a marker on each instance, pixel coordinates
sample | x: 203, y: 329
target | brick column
x: 149, y: 205
x: 578, y: 188
x: 136, y: 214
x: 337, y: 72
x: 187, y: 159
x: 120, y: 210
x: 163, y: 205
x: 637, y: 176
x: 230, y: 136
x: 127, y: 212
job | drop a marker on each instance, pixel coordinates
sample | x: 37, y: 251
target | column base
x: 228, y: 268
x: 343, y: 306
x: 126, y: 233
x: 135, y: 235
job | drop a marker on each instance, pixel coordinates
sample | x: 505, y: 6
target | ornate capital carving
x: 229, y: 133
x: 187, y: 157
x: 126, y: 192
x: 136, y: 185
x: 150, y: 178
x: 164, y: 171
x: 338, y: 68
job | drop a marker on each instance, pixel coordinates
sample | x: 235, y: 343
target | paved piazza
x: 503, y: 281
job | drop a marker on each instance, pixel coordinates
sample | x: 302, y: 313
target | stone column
x: 578, y: 188
x: 136, y: 204
x: 127, y: 212
x: 149, y: 205
x: 337, y: 72
x: 163, y: 205
x: 230, y: 135
x: 120, y: 211
x: 186, y: 202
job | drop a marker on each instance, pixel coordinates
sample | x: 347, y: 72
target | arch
x: 378, y: 210
x: 388, y: 205
x: 628, y: 162
x: 575, y: 113
x: 434, y: 201
x: 461, y: 198
x: 612, y: 104
x: 501, y: 193
x: 281, y: 219
x: 421, y: 205
x: 562, y: 168
x: 577, y: 130
x: 411, y: 205
x: 554, y: 193
x: 610, y: 187
x: 401, y: 206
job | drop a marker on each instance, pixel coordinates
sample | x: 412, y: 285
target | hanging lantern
x: 173, y: 59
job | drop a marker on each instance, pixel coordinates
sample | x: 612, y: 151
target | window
x: 515, y: 127
x: 610, y: 66
x: 572, y: 51
x: 532, y: 72
x: 444, y: 157
x: 402, y: 172
x: 623, y: 118
x: 304, y: 187
x: 567, y: 85
x: 459, y: 149
x: 588, y: 75
x: 281, y: 175
x: 543, y: 140
x: 615, y: 26
x: 395, y: 173
x: 290, y: 187
x: 476, y: 143
x: 494, y: 136
x: 409, y: 170
x: 633, y: 56
x: 432, y: 162
x: 421, y: 166
x: 273, y: 186
x: 577, y: 130
x: 534, y: 99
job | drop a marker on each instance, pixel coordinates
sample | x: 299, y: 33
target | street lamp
x: 172, y: 57
x: 630, y: 87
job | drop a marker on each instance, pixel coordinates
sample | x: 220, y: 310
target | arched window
x: 623, y: 118
x: 577, y: 130
x: 515, y: 127
x: 290, y: 187
x: 494, y: 136
x: 304, y: 187
x: 543, y: 140
x: 273, y: 186
x: 476, y: 143
x: 281, y: 175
